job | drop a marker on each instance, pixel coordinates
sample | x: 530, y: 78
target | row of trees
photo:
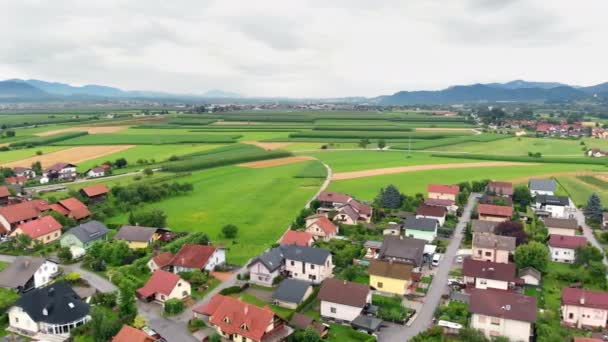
x: 363, y: 143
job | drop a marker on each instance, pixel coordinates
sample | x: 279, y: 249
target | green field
x: 147, y: 139
x: 579, y: 190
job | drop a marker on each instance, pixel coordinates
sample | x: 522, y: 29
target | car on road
x: 459, y: 259
x: 436, y: 259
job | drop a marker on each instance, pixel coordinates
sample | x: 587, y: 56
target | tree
x: 584, y: 255
x: 364, y: 142
x: 154, y: 218
x: 120, y: 163
x: 174, y: 306
x: 390, y: 197
x: 522, y: 196
x: 532, y: 254
x: 104, y: 324
x: 230, y: 231
x: 9, y: 134
x: 472, y: 335
x: 308, y: 335
x: 350, y: 273
x: 381, y: 144
x: 139, y: 322
x: 37, y: 167
x: 65, y: 255
x: 72, y: 277
x: 23, y: 241
x: 593, y: 210
x: 148, y: 172
x: 514, y: 229
x: 126, y: 303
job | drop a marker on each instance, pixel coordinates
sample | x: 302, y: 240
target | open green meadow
x: 147, y: 139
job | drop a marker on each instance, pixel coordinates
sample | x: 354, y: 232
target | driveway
x: 424, y: 317
x: 588, y: 232
x: 167, y: 328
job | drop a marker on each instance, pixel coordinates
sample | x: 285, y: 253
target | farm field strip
x: 16, y: 155
x: 89, y: 129
x: 70, y: 155
x: 275, y: 162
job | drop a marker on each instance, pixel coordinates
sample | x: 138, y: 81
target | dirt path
x: 276, y: 162
x: 90, y: 129
x: 560, y: 174
x: 268, y: 145
x: 73, y: 155
x: 404, y: 169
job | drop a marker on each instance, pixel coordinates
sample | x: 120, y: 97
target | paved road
x: 323, y: 186
x: 588, y: 232
x: 169, y: 329
x: 51, y: 187
x: 438, y: 286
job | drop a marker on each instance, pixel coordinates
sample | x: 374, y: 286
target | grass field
x: 579, y: 190
x: 261, y: 202
x: 14, y: 155
x: 148, y: 139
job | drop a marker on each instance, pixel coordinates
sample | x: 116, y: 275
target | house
x: 499, y: 313
x: 372, y: 249
x: 333, y: 200
x: 138, y: 237
x: 13, y: 215
x: 342, y: 300
x: 496, y: 200
x: 561, y: 226
x: 530, y: 276
x: 393, y: 228
x: 197, y: 257
x: 542, y: 186
x: 26, y: 172
x: 95, y: 172
x: 562, y: 248
x: 444, y: 192
x: 483, y: 227
x: 129, y: 334
x: 554, y: 206
x: 307, y: 263
x: 26, y: 273
x: 72, y: 207
x: 298, y: 238
x: 163, y: 286
x: 291, y: 293
x: 81, y: 237
x: 596, y: 153
x: 321, y: 227
x: 303, y: 322
x: 489, y: 275
x: 266, y: 267
x: 95, y: 193
x: 160, y: 261
x: 236, y: 320
x: 350, y: 211
x: 52, y: 310
x: 504, y: 189
x: 497, y: 213
x: 421, y: 228
x: 15, y: 180
x: 431, y: 212
x: 4, y: 195
x: 45, y: 230
x: 494, y: 248
x: 390, y: 277
x: 449, y: 205
x: 583, y: 308
x: 59, y: 172
x: 357, y: 211
x: 403, y: 249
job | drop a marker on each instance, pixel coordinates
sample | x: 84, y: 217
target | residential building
x: 562, y: 248
x: 584, y: 309
x: 530, y: 276
x: 298, y: 238
x: 163, y: 286
x: 489, y: 275
x: 160, y: 261
x: 4, y: 195
x: 432, y: 212
x: 95, y: 193
x: 554, y: 206
x: 15, y: 180
x: 95, y: 172
x: 350, y: 211
x: 421, y: 228
x: 27, y: 273
x: 403, y: 249
x: 307, y: 263
x: 15, y: 214
x: 444, y: 192
x: 59, y: 172
x: 372, y: 249
x: 390, y: 277
x: 235, y: 320
x: 303, y: 322
x: 542, y: 186
x: 499, y: 313
x: 266, y: 267
x: 24, y: 172
x: 393, y: 228
x: 504, y: 189
x: 81, y: 237
x: 292, y: 292
x: 45, y: 230
x: 329, y: 199
x: 560, y: 226
x: 449, y: 205
x: 71, y: 207
x: 52, y: 310
x: 139, y: 237
x: 483, y: 227
x: 494, y: 248
x: 129, y: 334
x: 197, y: 257
x: 497, y: 213
x: 343, y: 301
x: 321, y: 227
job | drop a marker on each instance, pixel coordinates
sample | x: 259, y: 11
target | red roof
x: 161, y: 282
x: 232, y: 315
x: 4, y: 191
x: 431, y: 211
x: 328, y: 227
x: 564, y: 241
x: 23, y: 211
x: 163, y: 259
x: 495, y: 210
x: 15, y: 180
x: 489, y: 270
x: 293, y: 237
x: 95, y: 190
x: 334, y: 197
x: 130, y: 334
x: 77, y: 209
x: 59, y: 209
x: 193, y: 256
x: 504, y: 188
x: 504, y: 304
x: 585, y: 298
x: 443, y: 189
x: 39, y: 227
x: 436, y: 202
x: 360, y: 207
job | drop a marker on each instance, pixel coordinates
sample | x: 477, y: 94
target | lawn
x: 340, y: 333
x: 15, y: 155
x: 279, y: 311
x: 260, y: 202
x: 579, y: 191
x: 3, y: 265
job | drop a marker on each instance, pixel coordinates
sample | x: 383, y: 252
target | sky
x: 303, y: 48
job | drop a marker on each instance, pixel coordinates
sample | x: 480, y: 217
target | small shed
x: 530, y: 276
x: 366, y: 323
x: 292, y: 292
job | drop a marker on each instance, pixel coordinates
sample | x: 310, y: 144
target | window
x: 483, y: 281
x: 479, y: 252
x: 312, y: 267
x: 488, y: 254
x: 16, y: 319
x: 162, y: 297
x: 179, y: 284
x: 380, y: 285
x: 184, y: 293
x: 293, y: 263
x: 333, y: 310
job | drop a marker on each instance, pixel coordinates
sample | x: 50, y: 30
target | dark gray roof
x: 372, y: 244
x: 311, y: 255
x: 399, y: 247
x: 481, y: 226
x: 54, y: 304
x: 291, y: 291
x: 367, y: 323
x: 20, y: 271
x: 135, y: 233
x: 272, y: 260
x: 560, y: 223
x: 503, y: 243
x: 542, y: 185
x: 552, y: 200
x: 425, y: 224
x: 529, y: 271
x: 89, y: 231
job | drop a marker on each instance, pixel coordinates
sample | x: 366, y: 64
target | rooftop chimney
x: 582, y: 300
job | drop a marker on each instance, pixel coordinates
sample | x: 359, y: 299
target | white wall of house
x: 45, y: 273
x: 541, y: 192
x: 152, y: 266
x: 216, y: 259
x: 441, y: 195
x: 344, y: 219
x: 309, y: 272
x: 440, y: 219
x: 421, y: 234
x: 483, y: 283
x: 317, y: 231
x: 19, y: 319
x: 94, y: 174
x: 180, y: 291
x: 5, y: 224
x: 530, y: 280
x: 339, y: 312
x: 515, y: 331
x: 561, y: 231
x: 580, y: 316
x: 259, y: 274
x: 489, y: 254
x: 562, y: 254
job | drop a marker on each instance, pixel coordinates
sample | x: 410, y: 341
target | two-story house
x: 421, y: 228
x: 496, y: 213
x: 489, y: 275
x: 562, y: 248
x: 583, y: 308
x: 81, y: 237
x: 403, y: 249
x: 321, y: 227
x: 490, y: 247
x: 307, y: 263
x: 432, y: 212
x: 266, y: 267
x: 343, y: 301
x: 24, y: 172
x: 27, y: 273
x: 44, y: 230
x: 390, y: 277
x: 500, y: 313
x: 197, y: 257
x: 504, y: 189
x: 163, y: 286
x: 58, y: 172
x: 554, y: 206
x: 561, y: 226
x: 442, y: 191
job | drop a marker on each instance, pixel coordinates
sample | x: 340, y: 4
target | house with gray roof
x: 138, y: 236
x: 544, y: 186
x: 421, y: 228
x: 84, y: 235
x: 27, y: 273
x: 292, y: 292
x: 484, y: 227
x: 491, y: 247
x: 403, y: 249
x: 266, y: 267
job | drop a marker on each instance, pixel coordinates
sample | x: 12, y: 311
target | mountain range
x: 15, y: 90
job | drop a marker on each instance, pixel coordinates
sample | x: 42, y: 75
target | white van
x: 436, y: 259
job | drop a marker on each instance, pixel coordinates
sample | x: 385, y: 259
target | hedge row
x: 191, y: 122
x: 47, y: 139
x: 526, y: 159
x: 375, y: 135
x: 222, y: 159
x: 363, y: 128
x: 149, y: 139
x: 428, y: 144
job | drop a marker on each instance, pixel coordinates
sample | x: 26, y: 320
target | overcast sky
x: 317, y: 48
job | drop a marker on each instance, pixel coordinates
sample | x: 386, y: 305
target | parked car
x: 436, y: 259
x: 459, y: 259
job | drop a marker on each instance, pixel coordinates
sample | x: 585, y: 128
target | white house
x: 421, y: 228
x: 197, y: 257
x: 562, y: 248
x: 554, y: 206
x: 584, y: 309
x: 96, y: 172
x: 265, y: 268
x: 27, y: 273
x: 60, y: 171
x: 343, y: 301
x: 163, y: 286
x: 307, y: 263
x: 542, y: 186
x: 489, y: 275
x: 24, y: 172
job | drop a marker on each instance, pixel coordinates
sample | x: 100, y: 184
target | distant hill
x: 596, y: 89
x: 521, y: 84
x: 14, y: 89
x: 217, y: 94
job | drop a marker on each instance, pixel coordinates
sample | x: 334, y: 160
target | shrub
x: 235, y: 156
x: 174, y: 306
x: 72, y: 277
x: 230, y: 231
x: 230, y: 290
x: 48, y: 140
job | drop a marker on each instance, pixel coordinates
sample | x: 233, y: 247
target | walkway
x: 424, y: 317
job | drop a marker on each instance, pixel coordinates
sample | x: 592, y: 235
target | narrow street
x: 425, y: 316
x: 588, y: 232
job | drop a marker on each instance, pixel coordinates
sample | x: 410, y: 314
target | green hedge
x: 363, y: 128
x: 37, y: 141
x: 191, y: 122
x: 526, y: 159
x: 149, y: 139
x: 434, y: 143
x: 314, y: 169
x: 375, y: 135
